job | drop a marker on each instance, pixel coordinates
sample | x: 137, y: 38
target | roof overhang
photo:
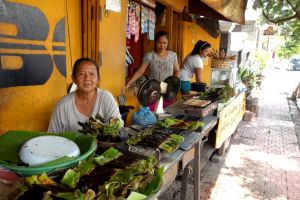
x: 227, y: 10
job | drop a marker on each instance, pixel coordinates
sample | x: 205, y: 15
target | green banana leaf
x: 155, y: 184
x: 136, y: 196
x: 109, y: 155
x: 72, y: 176
x: 89, y: 195
x: 11, y: 142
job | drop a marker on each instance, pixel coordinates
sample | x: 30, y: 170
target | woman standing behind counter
x: 193, y: 64
x: 161, y: 63
x: 85, y: 102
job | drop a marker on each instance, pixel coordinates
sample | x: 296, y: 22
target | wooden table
x: 189, y: 150
x: 177, y: 161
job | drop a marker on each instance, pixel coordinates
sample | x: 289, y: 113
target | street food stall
x: 141, y: 166
x: 105, y: 161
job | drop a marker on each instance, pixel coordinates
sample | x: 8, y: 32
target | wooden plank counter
x: 189, y: 150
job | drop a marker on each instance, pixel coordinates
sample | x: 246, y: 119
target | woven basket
x: 220, y: 63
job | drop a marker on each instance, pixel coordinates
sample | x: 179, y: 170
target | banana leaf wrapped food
x: 218, y: 94
x: 173, y: 123
x: 111, y: 131
x: 111, y: 175
x: 153, y: 138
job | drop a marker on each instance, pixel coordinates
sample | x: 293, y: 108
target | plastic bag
x: 144, y: 117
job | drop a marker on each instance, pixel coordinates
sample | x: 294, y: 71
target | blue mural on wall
x: 60, y: 60
x: 32, y: 32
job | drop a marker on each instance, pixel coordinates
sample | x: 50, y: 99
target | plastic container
x: 13, y: 140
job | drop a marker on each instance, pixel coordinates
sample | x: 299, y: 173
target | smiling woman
x: 85, y: 102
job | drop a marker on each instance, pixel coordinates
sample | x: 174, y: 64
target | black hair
x: 200, y: 46
x: 81, y: 60
x: 160, y: 34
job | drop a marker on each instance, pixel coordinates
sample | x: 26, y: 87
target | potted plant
x: 251, y: 80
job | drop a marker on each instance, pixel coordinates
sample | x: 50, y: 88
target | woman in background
x: 161, y: 63
x: 193, y: 64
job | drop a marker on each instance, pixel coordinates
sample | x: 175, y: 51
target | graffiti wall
x: 34, y: 53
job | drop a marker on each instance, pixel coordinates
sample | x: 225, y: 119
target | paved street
x: 263, y: 160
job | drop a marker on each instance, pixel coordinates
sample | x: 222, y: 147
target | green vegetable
x: 195, y: 125
x: 135, y: 177
x: 169, y: 122
x: 77, y: 195
x: 152, y: 187
x: 172, y: 143
x: 216, y: 94
x: 112, y: 129
x: 138, y: 137
x: 109, y: 155
x: 173, y: 123
x: 97, y: 127
x: 85, y: 168
x: 136, y: 196
x: 72, y: 176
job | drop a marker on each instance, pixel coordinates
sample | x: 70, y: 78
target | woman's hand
x: 127, y: 86
x: 141, y: 70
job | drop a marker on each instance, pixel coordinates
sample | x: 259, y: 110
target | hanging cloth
x: 132, y: 20
x: 137, y: 21
x: 151, y: 25
x: 128, y: 35
x: 144, y: 19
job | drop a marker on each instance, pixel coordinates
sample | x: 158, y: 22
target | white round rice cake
x: 43, y: 149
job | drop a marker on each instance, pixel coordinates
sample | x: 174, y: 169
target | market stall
x: 177, y: 161
x: 88, y: 179
x: 145, y: 163
x: 136, y: 160
x: 102, y: 164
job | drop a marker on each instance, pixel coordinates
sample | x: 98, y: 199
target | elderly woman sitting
x: 86, y: 101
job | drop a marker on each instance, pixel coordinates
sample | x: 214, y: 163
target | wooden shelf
x: 206, y: 152
x: 143, y: 4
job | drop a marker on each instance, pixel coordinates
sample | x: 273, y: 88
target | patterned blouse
x: 160, y: 68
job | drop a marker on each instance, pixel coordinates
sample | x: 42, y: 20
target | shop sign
x: 113, y: 5
x: 229, y: 119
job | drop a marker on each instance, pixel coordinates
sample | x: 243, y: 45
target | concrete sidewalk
x: 263, y: 160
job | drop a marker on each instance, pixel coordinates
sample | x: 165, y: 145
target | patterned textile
x: 160, y: 68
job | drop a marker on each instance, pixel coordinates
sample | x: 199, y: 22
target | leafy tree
x: 286, y: 14
x: 291, y: 47
x: 278, y: 11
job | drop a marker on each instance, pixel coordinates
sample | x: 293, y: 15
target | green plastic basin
x: 11, y: 142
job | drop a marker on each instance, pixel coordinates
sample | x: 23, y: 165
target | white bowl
x: 43, y: 149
